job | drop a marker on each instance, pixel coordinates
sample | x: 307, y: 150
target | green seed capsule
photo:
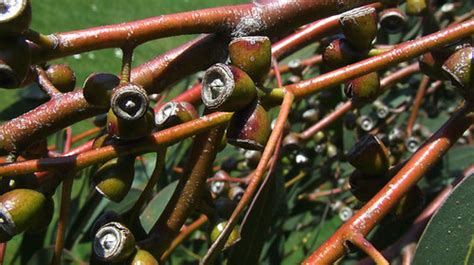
x: 129, y: 101
x: 130, y: 130
x: 114, y: 179
x: 249, y: 128
x: 43, y: 222
x: 233, y: 237
x: 62, y: 77
x: 363, y: 89
x: 227, y: 88
x: 253, y: 55
x: 98, y: 88
x: 19, y: 210
x: 340, y: 53
x: 458, y: 68
x: 359, y: 26
x: 416, y: 7
x: 174, y: 113
x: 143, y: 257
x: 113, y: 243
x: 369, y: 155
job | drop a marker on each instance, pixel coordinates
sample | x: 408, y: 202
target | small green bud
x: 233, y: 237
x: 62, y: 77
x: 114, y: 179
x: 143, y: 257
x: 253, y: 55
x: 19, y: 210
x: 98, y: 88
x: 249, y: 128
x: 359, y: 26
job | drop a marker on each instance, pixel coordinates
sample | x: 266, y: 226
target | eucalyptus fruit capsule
x: 233, y: 237
x: 42, y: 223
x: 129, y: 101
x: 363, y: 89
x: 459, y: 69
x: 174, y: 113
x: 20, y: 209
x: 62, y: 77
x: 369, y: 155
x: 15, y: 17
x: 292, y: 142
x: 249, y: 128
x: 15, y: 58
x: 416, y: 7
x: 98, y: 88
x: 113, y: 243
x: 227, y: 88
x: 253, y: 55
x: 392, y: 20
x: 143, y: 257
x: 340, y: 53
x: 359, y: 26
x: 364, y: 187
x: 130, y: 129
x: 114, y: 179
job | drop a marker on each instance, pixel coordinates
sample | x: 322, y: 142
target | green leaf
x: 44, y: 256
x: 255, y: 227
x: 156, y: 206
x: 449, y: 237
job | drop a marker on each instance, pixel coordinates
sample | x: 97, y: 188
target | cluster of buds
x: 236, y: 88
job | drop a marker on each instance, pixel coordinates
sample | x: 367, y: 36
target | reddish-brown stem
x: 420, y: 94
x: 316, y: 195
x: 147, y: 144
x: 45, y: 84
x: 76, y: 138
x: 415, y: 231
x: 367, y: 217
x: 190, y: 191
x: 400, y: 53
x: 238, y: 20
x: 183, y: 234
x: 309, y: 33
x: 127, y: 57
x: 255, y: 180
x: 3, y: 251
x: 385, y: 83
x: 277, y: 73
x: 359, y: 241
x: 228, y: 179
